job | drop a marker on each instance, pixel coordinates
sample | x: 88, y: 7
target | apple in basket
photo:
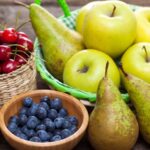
x: 15, y: 49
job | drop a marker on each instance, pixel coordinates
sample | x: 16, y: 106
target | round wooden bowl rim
x: 45, y: 144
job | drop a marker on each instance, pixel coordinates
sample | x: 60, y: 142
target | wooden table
x: 84, y: 144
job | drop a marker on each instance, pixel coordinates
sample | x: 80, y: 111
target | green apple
x: 143, y: 24
x: 86, y: 68
x: 81, y: 15
x: 136, y: 60
x: 110, y: 27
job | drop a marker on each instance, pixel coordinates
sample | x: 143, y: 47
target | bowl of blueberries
x: 43, y: 119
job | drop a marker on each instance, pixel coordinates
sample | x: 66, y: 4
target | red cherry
x: 9, y: 35
x: 21, y: 59
x: 5, y: 52
x: 9, y: 66
x: 22, y: 34
x: 26, y: 44
x: 1, y: 33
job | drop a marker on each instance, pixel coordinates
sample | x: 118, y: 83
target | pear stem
x: 123, y: 71
x: 113, y: 12
x: 106, y: 68
x: 21, y: 3
x: 147, y: 58
x: 22, y: 25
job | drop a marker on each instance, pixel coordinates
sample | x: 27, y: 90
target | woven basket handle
x: 62, y: 3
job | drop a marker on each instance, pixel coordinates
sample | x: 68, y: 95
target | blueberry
x: 44, y: 105
x: 27, y: 102
x: 22, y: 119
x: 52, y: 114
x: 32, y: 110
x: 35, y: 139
x: 65, y: 133
x: 56, y: 138
x: 59, y: 122
x: 56, y: 104
x: 66, y: 124
x: 57, y: 132
x: 73, y: 129
x: 24, y: 129
x: 43, y: 135
x: 63, y: 112
x: 41, y: 127
x: 30, y: 133
x: 50, y: 135
x: 50, y: 126
x: 72, y: 119
x: 22, y: 136
x: 23, y: 110
x: 41, y: 113
x: 32, y: 122
x: 14, y: 119
x: 18, y: 131
x: 45, y: 99
x: 12, y: 127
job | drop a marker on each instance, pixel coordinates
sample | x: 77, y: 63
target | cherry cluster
x: 15, y: 50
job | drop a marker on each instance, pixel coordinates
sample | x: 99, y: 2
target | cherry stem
x: 106, y: 68
x: 147, y: 58
x: 22, y: 25
x: 123, y: 71
x: 113, y: 12
x: 22, y: 4
x: 16, y: 22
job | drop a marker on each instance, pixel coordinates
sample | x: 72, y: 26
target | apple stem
x: 123, y: 71
x: 113, y: 12
x: 147, y: 58
x: 22, y: 4
x: 106, y: 68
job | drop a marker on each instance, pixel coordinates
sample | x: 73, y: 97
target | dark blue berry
x: 30, y: 133
x: 63, y: 112
x: 35, y: 139
x: 22, y: 119
x: 14, y: 119
x: 46, y: 120
x: 73, y: 120
x: 57, y: 132
x: 66, y: 124
x: 59, y: 122
x: 55, y: 138
x: 45, y: 99
x: 32, y: 122
x: 73, y: 129
x: 24, y: 129
x: 23, y: 111
x: 56, y: 104
x: 32, y: 110
x: 41, y: 113
x: 44, y: 105
x: 12, y: 127
x: 50, y: 126
x: 22, y: 136
x: 27, y: 102
x: 65, y: 133
x: 52, y: 114
x: 18, y: 131
x: 43, y: 135
x: 41, y: 127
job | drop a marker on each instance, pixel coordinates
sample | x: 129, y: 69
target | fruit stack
x: 17, y: 71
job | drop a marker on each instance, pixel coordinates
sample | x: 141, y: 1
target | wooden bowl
x: 74, y: 107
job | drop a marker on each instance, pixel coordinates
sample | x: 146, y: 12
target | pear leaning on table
x: 139, y: 92
x: 58, y: 42
x: 112, y: 125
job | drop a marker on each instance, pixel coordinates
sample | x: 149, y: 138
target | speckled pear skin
x: 139, y: 92
x: 112, y: 125
x: 58, y: 42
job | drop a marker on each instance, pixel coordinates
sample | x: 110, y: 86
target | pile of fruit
x: 47, y: 121
x: 15, y: 50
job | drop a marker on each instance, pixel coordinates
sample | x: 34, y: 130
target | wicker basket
x: 18, y: 81
x: 70, y: 22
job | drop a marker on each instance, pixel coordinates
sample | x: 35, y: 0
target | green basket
x: 52, y: 81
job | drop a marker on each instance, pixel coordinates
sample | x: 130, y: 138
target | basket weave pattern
x: 18, y: 81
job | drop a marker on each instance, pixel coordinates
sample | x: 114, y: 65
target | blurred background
x: 9, y: 10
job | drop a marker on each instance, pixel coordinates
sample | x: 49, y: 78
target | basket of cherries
x: 17, y: 69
